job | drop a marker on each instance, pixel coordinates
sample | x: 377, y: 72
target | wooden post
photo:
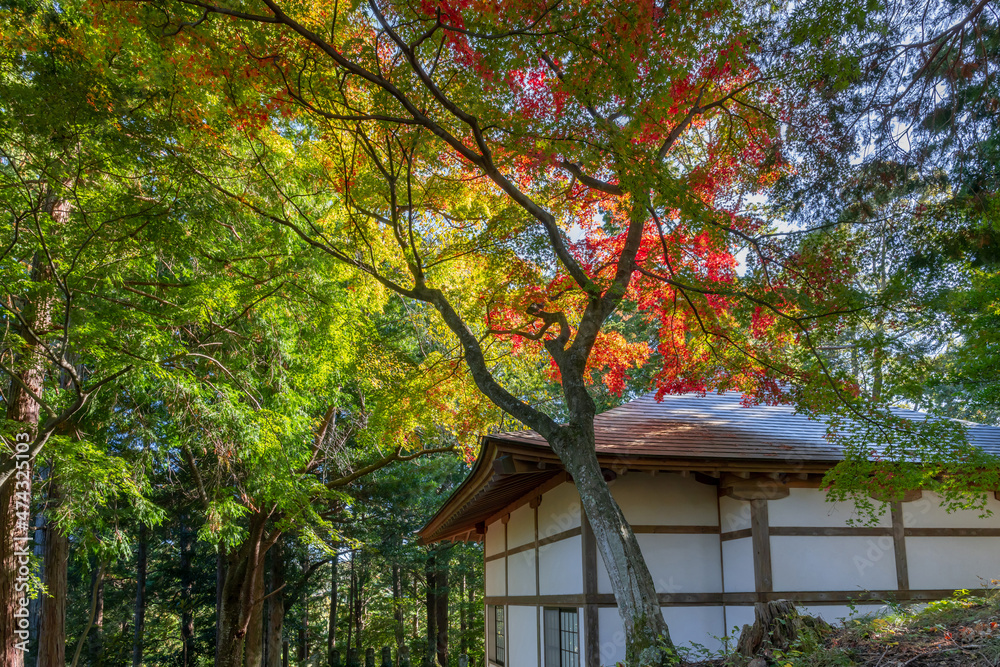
x: 899, y: 546
x: 591, y: 629
x: 760, y: 535
x: 535, y: 502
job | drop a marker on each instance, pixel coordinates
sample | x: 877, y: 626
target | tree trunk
x: 187, y: 591
x: 430, y: 571
x: 38, y: 548
x: 351, y: 592
x: 359, y: 600
x: 98, y: 580
x: 415, y: 634
x: 647, y: 637
x: 397, y: 605
x: 95, y: 640
x: 52, y: 625
x: 441, y: 604
x: 242, y: 599
x: 15, y: 493
x: 220, y: 581
x: 463, y: 644
x: 331, y: 629
x: 255, y: 625
x: 276, y: 605
x: 139, y: 615
x: 304, y: 628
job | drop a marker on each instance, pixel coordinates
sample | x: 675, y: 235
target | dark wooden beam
x: 760, y: 534
x: 899, y: 547
x: 591, y: 622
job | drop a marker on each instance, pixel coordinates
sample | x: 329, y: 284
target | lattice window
x: 562, y: 638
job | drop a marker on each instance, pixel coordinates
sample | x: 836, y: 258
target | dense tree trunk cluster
x: 251, y: 605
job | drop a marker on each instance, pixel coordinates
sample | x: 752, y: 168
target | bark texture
x: 276, y: 605
x: 242, y: 599
x: 255, y: 621
x: 778, y: 626
x: 52, y: 625
x: 15, y: 493
x: 647, y: 636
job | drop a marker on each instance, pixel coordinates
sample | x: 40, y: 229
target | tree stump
x: 777, y: 625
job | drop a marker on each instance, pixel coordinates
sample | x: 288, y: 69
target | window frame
x: 498, y: 635
x: 569, y: 652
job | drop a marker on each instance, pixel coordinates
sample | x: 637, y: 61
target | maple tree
x: 557, y: 195
x: 523, y: 171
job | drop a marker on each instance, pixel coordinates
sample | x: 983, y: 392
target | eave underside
x: 509, y: 471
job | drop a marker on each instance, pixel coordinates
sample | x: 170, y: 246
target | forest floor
x: 963, y: 631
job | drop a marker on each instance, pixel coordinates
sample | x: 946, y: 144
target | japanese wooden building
x: 726, y: 505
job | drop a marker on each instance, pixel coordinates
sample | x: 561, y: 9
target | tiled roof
x: 719, y: 426
x: 683, y: 432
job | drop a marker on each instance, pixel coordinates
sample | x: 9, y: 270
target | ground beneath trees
x: 963, y: 631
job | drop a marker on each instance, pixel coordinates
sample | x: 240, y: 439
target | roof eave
x: 478, y: 477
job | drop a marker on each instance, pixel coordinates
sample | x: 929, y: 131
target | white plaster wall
x: 521, y: 573
x: 952, y: 562
x: 833, y: 563
x: 736, y: 618
x: 495, y: 577
x: 559, y: 510
x: 665, y: 499
x: 700, y: 625
x: 737, y: 565
x: 809, y: 507
x: 678, y: 563
x: 560, y: 567
x: 494, y: 538
x: 521, y: 527
x: 687, y: 625
x: 612, y: 636
x: 522, y: 637
x: 735, y: 514
x: 838, y: 613
x: 928, y: 513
